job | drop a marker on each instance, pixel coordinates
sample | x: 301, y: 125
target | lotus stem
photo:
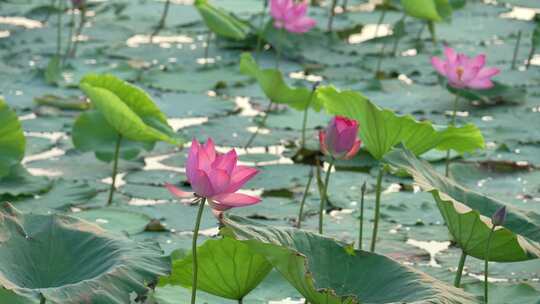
x: 380, y: 21
x: 115, y: 170
x: 207, y: 47
x: 361, y: 222
x: 459, y: 272
x: 306, y: 111
x: 345, y: 5
x: 59, y: 29
x: 324, y: 196
x: 161, y: 23
x: 303, y: 202
x: 78, y: 32
x: 452, y: 123
x: 278, y: 51
x: 396, y: 38
x: 516, y: 50
x: 261, y: 29
x: 331, y: 17
x: 529, y: 58
x: 486, y: 262
x: 263, y: 122
x: 241, y: 300
x: 202, y: 202
x: 379, y: 61
x: 378, y: 190
x: 421, y: 31
x: 70, y: 35
x: 431, y: 27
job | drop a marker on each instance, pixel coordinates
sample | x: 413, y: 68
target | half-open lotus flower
x: 291, y: 16
x: 216, y: 177
x: 463, y: 71
x: 340, y: 138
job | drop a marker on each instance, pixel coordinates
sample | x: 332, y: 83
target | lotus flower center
x: 459, y: 71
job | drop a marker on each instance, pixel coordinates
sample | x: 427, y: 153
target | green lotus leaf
x: 92, y: 132
x: 327, y: 272
x: 61, y: 259
x: 431, y: 10
x: 468, y: 215
x: 382, y: 129
x: 274, y: 87
x: 20, y: 183
x: 12, y: 140
x: 221, y: 22
x: 119, y: 109
x: 227, y: 268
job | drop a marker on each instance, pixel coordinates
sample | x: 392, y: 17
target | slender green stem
x: 431, y: 27
x: 378, y: 190
x: 331, y: 16
x: 202, y: 202
x: 379, y: 60
x: 380, y: 21
x: 459, y: 272
x: 78, y: 32
x: 278, y: 51
x: 306, y: 111
x: 162, y: 20
x: 241, y: 300
x: 421, y: 31
x: 70, y: 35
x: 486, y: 262
x: 529, y: 58
x: 516, y: 50
x: 361, y: 222
x: 207, y: 47
x: 303, y: 202
x: 396, y: 38
x: 452, y: 123
x: 115, y: 169
x: 263, y: 122
x: 345, y: 5
x: 59, y: 26
x: 261, y: 29
x: 324, y: 196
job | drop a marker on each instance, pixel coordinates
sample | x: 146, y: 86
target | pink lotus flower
x: 216, y: 177
x: 291, y: 16
x: 340, y: 139
x: 464, y: 72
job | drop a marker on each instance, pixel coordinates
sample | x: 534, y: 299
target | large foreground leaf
x: 221, y: 22
x: 382, y: 129
x: 468, y: 214
x: 12, y: 141
x: 227, y: 268
x: 61, y: 259
x: 274, y: 87
x: 325, y: 271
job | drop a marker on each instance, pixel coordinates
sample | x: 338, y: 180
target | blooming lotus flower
x: 340, y: 138
x: 216, y: 177
x: 499, y: 216
x: 291, y: 16
x: 463, y: 71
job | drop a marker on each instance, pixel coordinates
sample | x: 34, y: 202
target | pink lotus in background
x: 340, y: 138
x: 463, y: 71
x: 291, y: 16
x: 216, y: 177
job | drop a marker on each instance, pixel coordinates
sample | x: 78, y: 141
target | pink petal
x: 322, y: 142
x: 177, y: 191
x: 450, y: 55
x: 480, y: 84
x: 469, y: 73
x: 201, y: 184
x: 438, y: 64
x: 353, y: 150
x: 233, y: 200
x: 300, y: 26
x: 192, y: 162
x: 478, y: 61
x: 210, y: 149
x: 346, y: 140
x: 220, y: 180
x: 226, y: 161
x: 240, y: 176
x: 488, y: 72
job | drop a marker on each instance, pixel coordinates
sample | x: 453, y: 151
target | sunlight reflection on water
x: 370, y: 31
x: 432, y: 247
x: 21, y: 21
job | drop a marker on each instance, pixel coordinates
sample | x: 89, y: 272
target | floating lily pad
x: 61, y: 259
